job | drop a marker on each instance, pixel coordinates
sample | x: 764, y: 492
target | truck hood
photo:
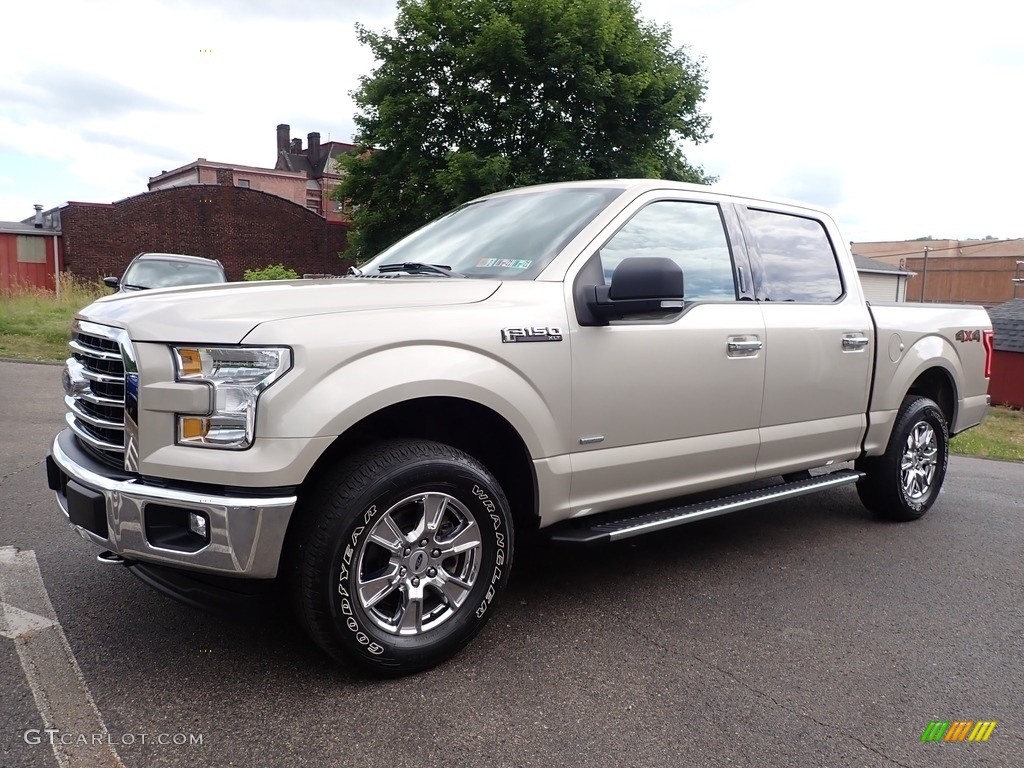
x: 225, y: 313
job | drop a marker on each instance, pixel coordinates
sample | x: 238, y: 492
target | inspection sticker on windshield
x: 506, y: 263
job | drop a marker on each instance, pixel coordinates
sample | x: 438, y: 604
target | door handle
x: 855, y: 341
x: 740, y: 345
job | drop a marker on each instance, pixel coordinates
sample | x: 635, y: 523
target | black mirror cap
x: 640, y: 284
x: 111, y: 282
x: 646, y: 277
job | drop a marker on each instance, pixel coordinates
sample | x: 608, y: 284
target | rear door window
x: 797, y: 257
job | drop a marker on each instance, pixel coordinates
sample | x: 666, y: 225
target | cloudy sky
x: 904, y: 117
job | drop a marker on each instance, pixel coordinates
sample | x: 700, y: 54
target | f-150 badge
x: 531, y: 333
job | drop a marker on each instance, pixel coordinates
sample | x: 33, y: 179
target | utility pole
x: 924, y: 272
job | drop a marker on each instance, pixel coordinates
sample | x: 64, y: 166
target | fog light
x: 197, y: 524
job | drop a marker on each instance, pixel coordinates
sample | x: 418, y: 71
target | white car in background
x: 167, y: 270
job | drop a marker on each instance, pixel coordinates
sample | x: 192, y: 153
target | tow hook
x: 111, y: 558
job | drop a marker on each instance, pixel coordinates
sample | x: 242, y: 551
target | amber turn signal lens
x: 190, y: 362
x: 193, y: 428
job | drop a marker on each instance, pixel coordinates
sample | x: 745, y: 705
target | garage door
x: 880, y: 287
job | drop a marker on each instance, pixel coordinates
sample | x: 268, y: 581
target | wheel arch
x: 930, y: 368
x: 937, y: 384
x: 464, y: 424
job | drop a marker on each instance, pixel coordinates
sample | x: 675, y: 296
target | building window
x: 313, y: 201
x: 242, y: 183
x: 31, y: 249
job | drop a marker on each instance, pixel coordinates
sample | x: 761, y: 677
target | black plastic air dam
x: 241, y: 598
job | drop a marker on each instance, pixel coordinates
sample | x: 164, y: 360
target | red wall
x: 244, y: 228
x: 1007, y: 383
x: 15, y: 274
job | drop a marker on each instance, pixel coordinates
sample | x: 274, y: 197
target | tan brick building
x: 286, y: 184
x: 305, y: 175
x: 956, y: 271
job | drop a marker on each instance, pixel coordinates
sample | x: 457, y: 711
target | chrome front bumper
x: 245, y: 535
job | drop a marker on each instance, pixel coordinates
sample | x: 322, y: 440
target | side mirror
x: 112, y: 282
x: 639, y: 284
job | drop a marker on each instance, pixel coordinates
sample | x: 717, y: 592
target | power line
x: 933, y: 250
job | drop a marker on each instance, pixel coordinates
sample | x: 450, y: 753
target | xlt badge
x: 531, y: 333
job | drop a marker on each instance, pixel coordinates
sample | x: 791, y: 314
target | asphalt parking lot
x: 800, y: 634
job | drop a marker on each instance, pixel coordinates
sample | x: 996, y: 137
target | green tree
x: 474, y: 96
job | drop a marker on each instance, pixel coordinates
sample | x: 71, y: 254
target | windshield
x: 506, y: 238
x: 157, y: 273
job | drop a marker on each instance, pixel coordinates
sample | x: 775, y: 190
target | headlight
x: 238, y: 376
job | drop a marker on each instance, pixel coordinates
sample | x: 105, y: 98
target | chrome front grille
x: 94, y: 391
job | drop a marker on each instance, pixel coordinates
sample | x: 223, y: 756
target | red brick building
x: 243, y: 227
x: 247, y: 217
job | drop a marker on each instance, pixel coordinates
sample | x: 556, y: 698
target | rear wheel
x: 400, y: 556
x: 905, y: 481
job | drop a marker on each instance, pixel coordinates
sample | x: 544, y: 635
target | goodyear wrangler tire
x: 904, y: 482
x: 401, y: 556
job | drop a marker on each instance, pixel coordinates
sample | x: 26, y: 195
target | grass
x: 1000, y: 436
x: 36, y: 324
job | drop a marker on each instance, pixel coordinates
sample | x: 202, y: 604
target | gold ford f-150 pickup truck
x: 580, y: 359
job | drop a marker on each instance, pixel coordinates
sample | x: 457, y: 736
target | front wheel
x: 400, y: 556
x: 904, y: 482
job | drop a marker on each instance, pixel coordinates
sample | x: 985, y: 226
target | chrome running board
x: 648, y: 522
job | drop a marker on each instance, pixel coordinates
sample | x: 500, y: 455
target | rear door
x: 818, y: 342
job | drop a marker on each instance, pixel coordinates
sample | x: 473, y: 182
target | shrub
x: 271, y: 272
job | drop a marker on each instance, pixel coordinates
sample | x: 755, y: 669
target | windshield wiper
x: 416, y: 268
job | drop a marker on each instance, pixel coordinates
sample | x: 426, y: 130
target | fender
x: 327, y: 403
x: 894, y: 379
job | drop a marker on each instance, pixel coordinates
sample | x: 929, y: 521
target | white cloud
x: 901, y: 115
x: 122, y: 103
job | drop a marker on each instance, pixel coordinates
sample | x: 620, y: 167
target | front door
x: 668, y: 403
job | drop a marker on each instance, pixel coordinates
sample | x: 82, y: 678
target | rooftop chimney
x: 283, y: 132
x: 296, y: 147
x: 313, y: 150
x: 38, y: 220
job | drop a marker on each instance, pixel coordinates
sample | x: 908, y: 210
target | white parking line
x: 62, y: 698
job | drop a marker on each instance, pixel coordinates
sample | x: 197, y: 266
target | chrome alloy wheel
x: 418, y: 564
x: 920, y: 457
